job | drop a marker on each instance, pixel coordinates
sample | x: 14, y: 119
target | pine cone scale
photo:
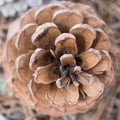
x: 38, y: 58
x: 42, y: 36
x: 80, y: 31
x: 24, y: 37
x: 22, y: 67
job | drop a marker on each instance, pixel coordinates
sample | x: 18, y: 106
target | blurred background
x: 10, y: 108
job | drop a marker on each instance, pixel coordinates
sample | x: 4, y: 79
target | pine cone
x: 58, y: 59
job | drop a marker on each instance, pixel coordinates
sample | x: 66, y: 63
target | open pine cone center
x: 68, y: 69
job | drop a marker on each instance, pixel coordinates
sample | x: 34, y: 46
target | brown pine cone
x: 58, y: 59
